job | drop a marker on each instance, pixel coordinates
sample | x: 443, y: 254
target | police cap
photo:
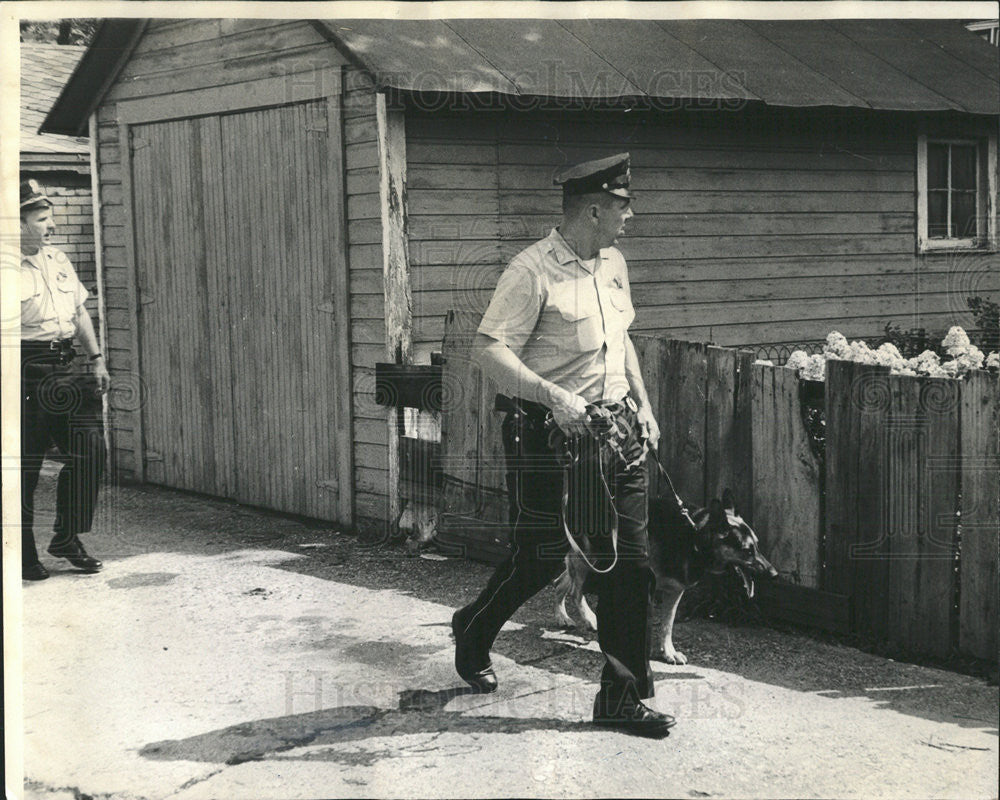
x: 609, y: 175
x: 32, y: 195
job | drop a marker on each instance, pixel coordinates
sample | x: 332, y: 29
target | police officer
x: 60, y: 405
x: 555, y: 338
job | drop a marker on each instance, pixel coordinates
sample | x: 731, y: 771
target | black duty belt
x: 56, y: 350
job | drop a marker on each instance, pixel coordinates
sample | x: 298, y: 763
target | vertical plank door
x: 187, y: 421
x: 237, y: 221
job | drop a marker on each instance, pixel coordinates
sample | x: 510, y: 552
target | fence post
x: 922, y: 498
x: 980, y: 423
x: 786, y: 477
x: 683, y: 379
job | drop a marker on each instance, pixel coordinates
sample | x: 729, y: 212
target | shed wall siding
x: 750, y: 228
x: 368, y: 333
x: 187, y: 55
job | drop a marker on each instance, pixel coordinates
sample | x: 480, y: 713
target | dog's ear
x: 717, y: 517
x: 728, y: 501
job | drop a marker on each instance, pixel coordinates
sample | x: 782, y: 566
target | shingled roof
x: 881, y: 64
x: 45, y: 68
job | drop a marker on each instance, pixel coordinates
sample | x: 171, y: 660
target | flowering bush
x: 965, y: 357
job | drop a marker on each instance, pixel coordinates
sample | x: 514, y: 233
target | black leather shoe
x: 34, y: 572
x: 639, y: 720
x: 470, y: 667
x: 74, y: 553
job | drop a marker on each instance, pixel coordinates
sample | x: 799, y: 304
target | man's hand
x: 569, y: 411
x: 647, y: 423
x: 101, y: 376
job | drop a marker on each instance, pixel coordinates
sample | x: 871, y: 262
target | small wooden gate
x: 237, y: 263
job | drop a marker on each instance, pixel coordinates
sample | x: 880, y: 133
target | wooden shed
x: 283, y: 204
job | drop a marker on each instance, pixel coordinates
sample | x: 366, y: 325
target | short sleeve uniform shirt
x: 566, y: 319
x: 51, y: 293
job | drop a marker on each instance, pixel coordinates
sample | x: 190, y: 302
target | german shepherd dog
x: 682, y: 550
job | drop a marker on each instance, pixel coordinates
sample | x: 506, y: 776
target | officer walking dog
x: 58, y: 405
x: 555, y: 339
x: 684, y: 548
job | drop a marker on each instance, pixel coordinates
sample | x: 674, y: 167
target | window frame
x: 986, y: 195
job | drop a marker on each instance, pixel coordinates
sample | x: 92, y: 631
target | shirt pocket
x: 30, y: 287
x: 622, y: 304
x: 579, y: 314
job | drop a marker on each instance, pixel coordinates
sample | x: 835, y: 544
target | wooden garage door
x: 235, y: 264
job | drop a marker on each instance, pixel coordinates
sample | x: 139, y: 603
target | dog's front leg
x: 564, y: 586
x: 662, y: 649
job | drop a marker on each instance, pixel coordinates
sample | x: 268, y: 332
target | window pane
x: 937, y: 214
x: 937, y: 166
x: 963, y: 214
x: 963, y: 166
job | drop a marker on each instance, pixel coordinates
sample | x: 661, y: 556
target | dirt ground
x: 228, y: 652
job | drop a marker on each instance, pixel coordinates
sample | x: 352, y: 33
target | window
x: 956, y: 187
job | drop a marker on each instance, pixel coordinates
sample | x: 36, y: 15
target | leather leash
x: 612, y: 442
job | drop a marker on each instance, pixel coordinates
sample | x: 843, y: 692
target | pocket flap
x: 574, y: 299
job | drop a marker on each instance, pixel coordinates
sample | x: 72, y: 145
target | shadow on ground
x: 419, y: 711
x: 141, y: 519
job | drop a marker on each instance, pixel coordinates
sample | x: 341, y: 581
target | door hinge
x: 327, y: 307
x: 317, y: 125
x: 152, y: 455
x: 145, y: 298
x: 327, y: 485
x: 137, y: 143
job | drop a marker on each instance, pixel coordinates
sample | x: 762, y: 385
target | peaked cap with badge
x: 33, y: 195
x: 609, y: 175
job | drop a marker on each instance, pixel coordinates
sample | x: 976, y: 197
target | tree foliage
x: 59, y: 31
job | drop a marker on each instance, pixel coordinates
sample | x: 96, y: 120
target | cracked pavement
x: 226, y: 652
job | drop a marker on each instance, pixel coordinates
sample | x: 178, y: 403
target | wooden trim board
x: 391, y: 137
x: 296, y: 88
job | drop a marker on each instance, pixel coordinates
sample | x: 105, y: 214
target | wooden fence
x: 890, y: 534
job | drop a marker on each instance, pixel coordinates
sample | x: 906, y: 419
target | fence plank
x: 840, y: 476
x: 683, y: 376
x: 720, y: 428
x: 786, y: 477
x: 474, y: 512
x: 904, y: 449
x: 460, y: 399
x: 980, y: 421
x: 939, y: 401
x: 923, y: 491
x: 460, y: 403
x: 870, y: 402
x: 743, y: 474
x: 646, y: 350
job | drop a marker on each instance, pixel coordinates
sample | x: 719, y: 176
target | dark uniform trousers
x: 535, y: 488
x: 60, y: 407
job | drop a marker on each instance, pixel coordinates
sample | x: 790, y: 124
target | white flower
x: 956, y: 342
x: 925, y: 362
x: 815, y: 368
x: 993, y: 361
x: 888, y: 355
x: 836, y: 346
x: 975, y: 356
x: 797, y: 360
x: 953, y: 369
x: 862, y: 353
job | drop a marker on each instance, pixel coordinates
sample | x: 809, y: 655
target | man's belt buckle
x: 55, y: 345
x: 630, y: 402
